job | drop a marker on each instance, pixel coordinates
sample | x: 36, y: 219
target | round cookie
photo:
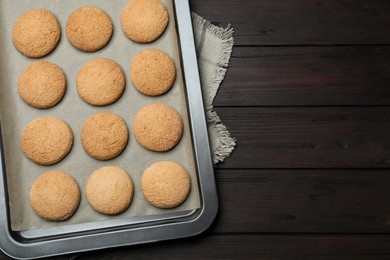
x: 42, y: 84
x: 46, y: 140
x: 89, y: 28
x: 104, y: 135
x: 152, y: 72
x: 100, y: 82
x: 144, y: 21
x: 55, y: 196
x: 158, y: 127
x: 36, y: 33
x: 109, y: 190
x: 165, y: 184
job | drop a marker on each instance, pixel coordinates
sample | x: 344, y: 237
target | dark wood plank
x: 315, y: 137
x: 296, y: 22
x: 257, y: 247
x: 250, y: 247
x: 302, y: 76
x: 303, y: 201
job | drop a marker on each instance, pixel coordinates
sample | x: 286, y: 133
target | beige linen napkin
x: 214, y: 46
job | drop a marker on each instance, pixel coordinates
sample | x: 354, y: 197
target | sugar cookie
x: 109, y: 190
x: 100, y: 82
x: 144, y: 20
x: 152, y: 72
x: 42, y: 84
x: 158, y: 127
x: 36, y: 33
x: 165, y: 184
x: 46, y: 140
x: 104, y: 135
x: 89, y: 28
x: 55, y: 196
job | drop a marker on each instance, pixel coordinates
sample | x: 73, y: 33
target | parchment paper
x: 15, y: 114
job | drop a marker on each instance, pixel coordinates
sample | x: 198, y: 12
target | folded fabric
x: 214, y: 46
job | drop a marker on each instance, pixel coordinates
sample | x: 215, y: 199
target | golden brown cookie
x: 144, y: 20
x: 55, y: 196
x: 165, y: 184
x: 104, y: 135
x: 42, y: 84
x: 36, y: 33
x: 89, y: 28
x: 109, y: 190
x: 158, y: 127
x: 152, y: 72
x: 46, y: 140
x: 100, y: 82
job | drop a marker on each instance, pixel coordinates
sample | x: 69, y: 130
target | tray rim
x: 197, y: 222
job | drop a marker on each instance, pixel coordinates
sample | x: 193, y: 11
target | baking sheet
x: 15, y: 114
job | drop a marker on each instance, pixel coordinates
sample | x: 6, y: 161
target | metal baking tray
x: 121, y: 231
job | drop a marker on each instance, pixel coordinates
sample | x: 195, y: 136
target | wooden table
x: 307, y: 95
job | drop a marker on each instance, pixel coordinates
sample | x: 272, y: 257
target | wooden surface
x: 307, y: 95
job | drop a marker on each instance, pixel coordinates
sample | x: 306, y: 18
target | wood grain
x: 307, y: 76
x: 301, y: 22
x: 257, y: 247
x: 315, y: 137
x: 302, y: 201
